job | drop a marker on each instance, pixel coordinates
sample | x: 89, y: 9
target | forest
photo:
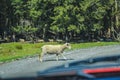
x: 67, y: 20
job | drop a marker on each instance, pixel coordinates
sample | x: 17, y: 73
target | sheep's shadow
x: 58, y: 60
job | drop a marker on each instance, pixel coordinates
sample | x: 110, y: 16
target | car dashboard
x: 99, y: 68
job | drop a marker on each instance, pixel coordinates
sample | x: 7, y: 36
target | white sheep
x: 54, y: 49
x: 22, y: 40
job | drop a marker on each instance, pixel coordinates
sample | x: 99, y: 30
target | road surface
x: 30, y: 66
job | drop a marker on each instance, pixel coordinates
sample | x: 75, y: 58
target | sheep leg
x: 57, y: 57
x: 63, y: 56
x: 40, y: 57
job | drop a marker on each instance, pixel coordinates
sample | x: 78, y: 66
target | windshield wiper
x: 113, y: 58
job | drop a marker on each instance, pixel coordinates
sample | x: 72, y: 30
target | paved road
x: 32, y: 65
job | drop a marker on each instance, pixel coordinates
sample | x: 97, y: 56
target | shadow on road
x: 58, y: 60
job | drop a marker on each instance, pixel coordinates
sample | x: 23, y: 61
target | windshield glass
x: 41, y: 36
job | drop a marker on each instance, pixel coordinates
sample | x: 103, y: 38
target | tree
x: 115, y: 19
x: 66, y: 19
x: 26, y: 31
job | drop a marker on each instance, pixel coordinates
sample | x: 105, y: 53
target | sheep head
x: 68, y: 45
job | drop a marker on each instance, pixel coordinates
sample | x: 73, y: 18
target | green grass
x: 12, y: 51
x: 92, y: 44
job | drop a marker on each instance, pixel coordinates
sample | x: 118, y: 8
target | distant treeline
x: 67, y: 20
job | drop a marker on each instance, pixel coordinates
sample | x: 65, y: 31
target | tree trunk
x: 66, y: 35
x: 45, y: 33
x: 116, y: 16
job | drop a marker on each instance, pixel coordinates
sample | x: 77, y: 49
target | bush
x: 20, y: 47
